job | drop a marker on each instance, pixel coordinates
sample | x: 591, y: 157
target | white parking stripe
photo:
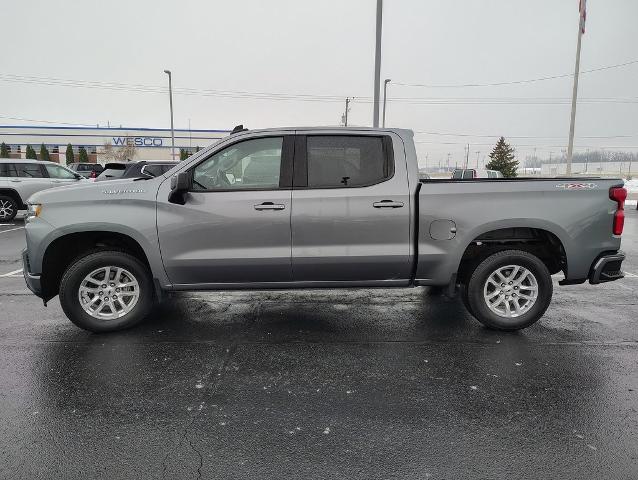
x: 11, y: 230
x: 630, y: 275
x: 11, y: 273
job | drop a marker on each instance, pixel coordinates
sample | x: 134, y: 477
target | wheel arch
x: 547, y: 241
x: 13, y: 194
x: 65, y: 248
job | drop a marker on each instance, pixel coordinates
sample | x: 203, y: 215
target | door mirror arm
x: 180, y: 185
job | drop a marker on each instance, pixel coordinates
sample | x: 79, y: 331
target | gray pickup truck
x: 314, y: 208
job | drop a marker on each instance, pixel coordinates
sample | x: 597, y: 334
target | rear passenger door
x: 27, y: 178
x: 350, y: 209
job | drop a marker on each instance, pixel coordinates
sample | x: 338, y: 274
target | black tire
x: 478, y: 305
x: 463, y: 293
x: 8, y: 208
x: 83, y: 266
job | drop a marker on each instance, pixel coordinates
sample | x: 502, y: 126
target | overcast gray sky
x: 324, y: 50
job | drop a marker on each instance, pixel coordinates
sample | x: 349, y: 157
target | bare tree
x: 122, y: 153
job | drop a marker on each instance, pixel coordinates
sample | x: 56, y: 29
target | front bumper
x: 607, y: 268
x: 33, y: 281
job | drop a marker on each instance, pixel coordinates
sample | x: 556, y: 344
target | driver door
x: 234, y: 228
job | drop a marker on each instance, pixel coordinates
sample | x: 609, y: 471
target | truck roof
x: 399, y: 131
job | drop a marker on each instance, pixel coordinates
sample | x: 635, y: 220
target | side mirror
x: 180, y: 185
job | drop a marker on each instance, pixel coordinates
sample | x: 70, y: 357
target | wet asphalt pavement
x: 361, y: 384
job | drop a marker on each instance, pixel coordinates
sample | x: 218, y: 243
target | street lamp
x: 385, y: 93
x: 170, y: 97
x: 377, y: 65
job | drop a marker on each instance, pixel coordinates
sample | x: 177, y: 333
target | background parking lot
x: 321, y: 384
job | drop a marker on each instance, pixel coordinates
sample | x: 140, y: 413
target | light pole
x: 385, y: 93
x: 170, y: 97
x: 377, y: 65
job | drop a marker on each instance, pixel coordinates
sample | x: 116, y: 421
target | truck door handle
x: 15, y: 181
x: 270, y: 206
x: 387, y: 204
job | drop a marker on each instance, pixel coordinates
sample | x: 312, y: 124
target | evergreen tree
x: 84, y: 156
x: 502, y: 159
x: 4, y: 150
x: 44, y: 153
x: 30, y: 154
x: 183, y: 154
x: 69, y: 154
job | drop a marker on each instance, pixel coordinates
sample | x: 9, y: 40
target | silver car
x: 19, y: 179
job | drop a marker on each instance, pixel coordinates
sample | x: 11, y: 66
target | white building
x: 149, y: 143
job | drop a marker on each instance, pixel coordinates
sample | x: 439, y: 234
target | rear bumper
x: 607, y: 268
x: 32, y: 281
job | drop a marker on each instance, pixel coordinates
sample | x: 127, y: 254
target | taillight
x: 618, y: 195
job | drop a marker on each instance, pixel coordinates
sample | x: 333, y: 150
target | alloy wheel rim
x: 6, y: 209
x: 510, y: 291
x: 109, y: 293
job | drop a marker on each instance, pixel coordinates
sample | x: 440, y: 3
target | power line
x: 517, y: 145
x: 158, y: 89
x: 516, y: 82
x: 22, y: 119
x: 421, y: 132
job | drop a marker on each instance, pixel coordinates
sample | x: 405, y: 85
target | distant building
x: 150, y: 143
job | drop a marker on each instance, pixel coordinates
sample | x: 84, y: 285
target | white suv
x: 19, y: 179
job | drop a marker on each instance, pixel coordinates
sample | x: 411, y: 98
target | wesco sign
x: 138, y: 141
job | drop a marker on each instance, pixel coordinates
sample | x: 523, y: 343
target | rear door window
x: 29, y: 170
x: 469, y: 174
x: 338, y: 161
x: 457, y: 174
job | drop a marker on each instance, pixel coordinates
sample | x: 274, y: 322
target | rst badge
x: 576, y: 186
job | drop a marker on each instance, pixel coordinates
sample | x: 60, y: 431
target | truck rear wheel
x: 509, y: 290
x: 106, y: 291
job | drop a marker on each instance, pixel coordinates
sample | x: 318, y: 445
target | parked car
x: 19, y: 179
x: 134, y: 170
x: 87, y: 170
x: 471, y: 173
x: 319, y: 207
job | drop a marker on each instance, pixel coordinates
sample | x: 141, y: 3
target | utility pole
x: 170, y: 96
x: 344, y: 117
x: 478, y: 153
x: 385, y: 94
x: 467, y: 155
x: 581, y: 30
x: 448, y: 163
x: 377, y: 64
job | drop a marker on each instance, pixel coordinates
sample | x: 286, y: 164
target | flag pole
x: 570, y: 147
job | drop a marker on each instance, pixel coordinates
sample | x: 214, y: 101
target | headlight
x: 34, y: 210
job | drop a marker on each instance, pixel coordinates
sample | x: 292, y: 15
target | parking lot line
x: 630, y: 275
x: 11, y: 230
x: 11, y: 273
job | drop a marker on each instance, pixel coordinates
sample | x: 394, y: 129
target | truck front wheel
x: 509, y: 290
x: 106, y: 291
